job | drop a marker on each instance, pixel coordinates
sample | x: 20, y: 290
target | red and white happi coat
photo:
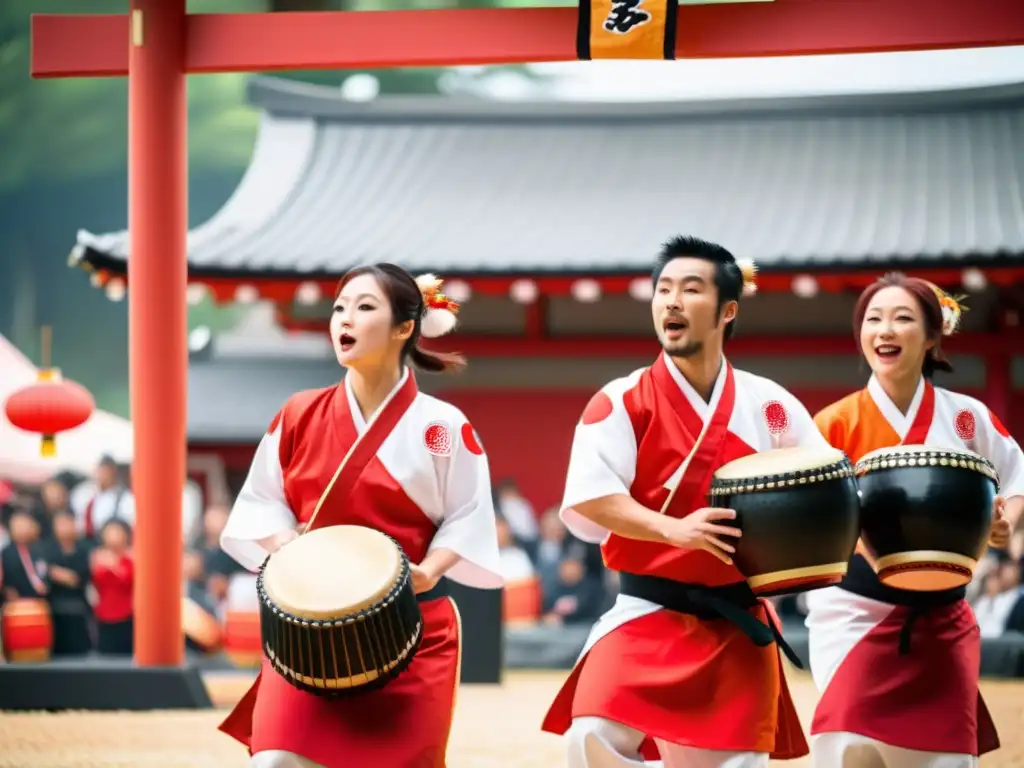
x: 417, y: 472
x: 926, y: 699
x: 670, y: 675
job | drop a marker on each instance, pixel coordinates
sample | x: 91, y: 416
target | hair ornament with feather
x: 952, y: 310
x: 748, y: 270
x: 440, y: 312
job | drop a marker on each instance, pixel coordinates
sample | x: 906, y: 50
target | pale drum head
x: 779, y: 461
x: 332, y: 572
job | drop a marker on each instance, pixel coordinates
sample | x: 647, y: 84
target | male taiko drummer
x: 652, y: 680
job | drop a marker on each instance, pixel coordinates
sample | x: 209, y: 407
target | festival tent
x: 78, y: 450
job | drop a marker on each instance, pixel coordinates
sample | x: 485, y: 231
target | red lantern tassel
x: 48, y: 446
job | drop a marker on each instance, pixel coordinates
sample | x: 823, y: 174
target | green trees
x: 63, y: 164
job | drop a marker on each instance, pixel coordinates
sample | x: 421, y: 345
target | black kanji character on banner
x: 625, y: 15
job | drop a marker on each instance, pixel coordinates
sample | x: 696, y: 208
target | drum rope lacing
x: 392, y: 667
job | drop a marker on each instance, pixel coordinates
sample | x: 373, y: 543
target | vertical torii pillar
x: 157, y: 330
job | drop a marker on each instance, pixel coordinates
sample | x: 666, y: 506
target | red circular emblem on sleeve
x: 471, y: 440
x: 438, y: 438
x: 598, y: 409
x: 965, y: 425
x: 775, y: 417
x: 1000, y: 428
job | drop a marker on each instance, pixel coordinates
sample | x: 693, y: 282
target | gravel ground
x: 190, y: 739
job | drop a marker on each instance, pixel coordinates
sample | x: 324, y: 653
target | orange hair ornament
x: 440, y: 314
x: 952, y: 310
x: 748, y: 269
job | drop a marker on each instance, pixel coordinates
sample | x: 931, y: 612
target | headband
x: 439, y: 315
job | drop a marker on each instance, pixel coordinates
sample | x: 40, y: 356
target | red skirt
x: 688, y: 681
x: 405, y: 724
x: 926, y: 699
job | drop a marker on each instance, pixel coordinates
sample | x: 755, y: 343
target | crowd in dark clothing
x: 86, y: 581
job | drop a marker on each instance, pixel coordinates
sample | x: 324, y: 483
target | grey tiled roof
x: 470, y: 187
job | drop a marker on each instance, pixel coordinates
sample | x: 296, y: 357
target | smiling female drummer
x: 419, y: 475
x: 915, y: 706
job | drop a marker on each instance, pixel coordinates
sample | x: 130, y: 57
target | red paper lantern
x: 48, y: 407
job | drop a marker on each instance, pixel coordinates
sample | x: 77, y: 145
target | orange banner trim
x: 626, y: 29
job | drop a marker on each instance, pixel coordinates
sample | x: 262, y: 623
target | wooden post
x: 158, y: 351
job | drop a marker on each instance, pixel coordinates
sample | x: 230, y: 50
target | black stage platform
x: 100, y: 684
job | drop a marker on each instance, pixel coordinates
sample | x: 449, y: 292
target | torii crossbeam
x: 158, y: 43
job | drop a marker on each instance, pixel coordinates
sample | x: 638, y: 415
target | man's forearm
x: 624, y: 516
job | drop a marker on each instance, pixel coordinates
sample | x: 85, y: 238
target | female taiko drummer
x: 427, y: 486
x: 898, y: 670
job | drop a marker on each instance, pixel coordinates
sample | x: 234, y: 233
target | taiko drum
x: 242, y: 638
x: 26, y: 629
x: 926, y: 514
x: 199, y: 626
x: 799, y: 515
x: 338, y: 612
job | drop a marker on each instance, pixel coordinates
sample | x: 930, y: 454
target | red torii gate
x: 158, y: 43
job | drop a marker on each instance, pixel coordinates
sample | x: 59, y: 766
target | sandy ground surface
x: 187, y: 739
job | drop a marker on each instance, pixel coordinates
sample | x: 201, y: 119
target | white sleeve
x: 801, y: 431
x: 261, y: 510
x: 602, y: 461
x: 995, y: 444
x: 468, y: 526
x: 126, y: 508
x: 79, y: 499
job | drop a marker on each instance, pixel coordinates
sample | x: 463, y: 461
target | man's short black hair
x: 728, y: 277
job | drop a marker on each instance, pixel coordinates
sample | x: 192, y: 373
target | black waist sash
x: 862, y: 580
x: 436, y: 592
x: 731, y: 602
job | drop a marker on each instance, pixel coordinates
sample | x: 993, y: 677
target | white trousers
x: 278, y: 758
x: 594, y: 742
x: 851, y: 750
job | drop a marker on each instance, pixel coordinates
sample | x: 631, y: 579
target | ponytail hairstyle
x: 420, y: 300
x: 940, y: 311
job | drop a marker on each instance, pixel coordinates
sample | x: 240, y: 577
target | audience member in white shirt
x: 1002, y: 591
x: 519, y: 514
x: 103, y: 499
x: 514, y: 562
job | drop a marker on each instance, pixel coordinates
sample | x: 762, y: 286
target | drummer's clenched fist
x: 1001, y: 531
x: 701, y: 530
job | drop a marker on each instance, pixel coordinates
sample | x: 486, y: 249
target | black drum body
x: 799, y: 514
x: 360, y: 650
x: 926, y: 514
